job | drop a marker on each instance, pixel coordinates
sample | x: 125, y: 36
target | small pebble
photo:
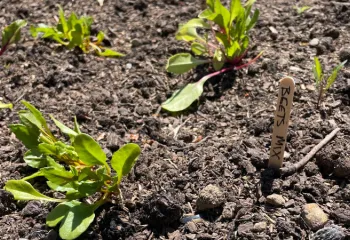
x: 314, y: 42
x: 260, y: 226
x: 314, y: 216
x: 128, y: 65
x: 275, y: 200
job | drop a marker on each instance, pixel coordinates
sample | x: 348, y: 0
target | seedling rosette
x: 75, y: 32
x: 321, y: 83
x: 78, y: 169
x: 223, y: 45
x: 11, y: 34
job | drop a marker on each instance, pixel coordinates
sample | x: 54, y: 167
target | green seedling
x: 223, y: 45
x: 322, y: 84
x: 75, y: 32
x: 6, y: 105
x: 78, y: 169
x: 302, y: 9
x: 11, y: 34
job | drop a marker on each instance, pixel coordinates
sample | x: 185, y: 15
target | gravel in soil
x: 223, y: 142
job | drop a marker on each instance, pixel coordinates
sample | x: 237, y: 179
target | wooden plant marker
x: 281, y: 121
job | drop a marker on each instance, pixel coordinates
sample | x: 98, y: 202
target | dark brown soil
x: 223, y: 141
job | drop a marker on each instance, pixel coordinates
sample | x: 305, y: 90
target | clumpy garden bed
x: 222, y: 142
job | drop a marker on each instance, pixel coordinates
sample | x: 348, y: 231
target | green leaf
x: 38, y: 116
x: 59, y: 213
x: 88, y: 150
x: 76, y: 221
x: 109, y: 53
x: 183, y: 98
x: 183, y: 62
x: 219, y: 60
x: 187, y: 34
x: 12, y: 33
x: 334, y: 75
x: 198, y: 48
x: 223, y: 16
x: 72, y: 20
x: 235, y: 9
x: 124, y: 159
x: 57, y: 176
x: 100, y: 37
x: 61, y: 188
x: 76, y: 125
x: 317, y: 69
x: 64, y: 129
x: 253, y: 21
x: 28, y: 136
x: 6, y: 105
x: 77, y: 37
x: 35, y: 159
x: 23, y: 190
x: 63, y: 21
x: 196, y: 23
x: 88, y: 188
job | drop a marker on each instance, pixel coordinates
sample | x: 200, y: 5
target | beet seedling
x: 322, y: 84
x: 78, y: 169
x: 11, y: 34
x: 75, y: 32
x: 225, y: 42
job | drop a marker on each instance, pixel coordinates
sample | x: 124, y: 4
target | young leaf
x: 59, y: 213
x: 76, y: 221
x: 23, y: 190
x: 317, y: 68
x: 63, y: 21
x: 198, y: 48
x: 183, y: 62
x: 57, y: 176
x: 183, y: 98
x: 64, y: 129
x: 109, y: 53
x: 235, y: 9
x: 88, y: 188
x: 76, y: 125
x: 196, y: 23
x: 12, y: 33
x: 219, y: 60
x: 35, y: 159
x: 334, y: 75
x: 6, y: 105
x: 38, y: 117
x: 253, y: 21
x: 187, y: 34
x: 61, y: 188
x: 28, y: 136
x: 124, y: 159
x: 88, y: 150
x: 100, y: 37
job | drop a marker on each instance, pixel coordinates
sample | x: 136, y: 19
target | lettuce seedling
x: 11, y: 34
x: 75, y: 32
x: 78, y: 169
x: 302, y: 9
x: 322, y: 84
x: 223, y: 45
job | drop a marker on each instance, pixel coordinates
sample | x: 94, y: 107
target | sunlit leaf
x: 183, y: 62
x: 124, y: 159
x: 88, y: 150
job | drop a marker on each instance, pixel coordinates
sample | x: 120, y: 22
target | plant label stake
x: 282, y: 114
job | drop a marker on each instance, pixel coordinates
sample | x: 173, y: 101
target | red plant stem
x: 230, y: 68
x: 3, y: 49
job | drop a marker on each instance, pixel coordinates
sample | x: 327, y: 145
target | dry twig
x: 295, y: 167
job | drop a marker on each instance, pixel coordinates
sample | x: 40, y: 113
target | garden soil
x: 222, y: 141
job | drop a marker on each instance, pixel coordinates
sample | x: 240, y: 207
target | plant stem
x: 250, y: 61
x: 3, y: 49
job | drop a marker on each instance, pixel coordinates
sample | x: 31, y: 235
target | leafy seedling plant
x: 78, y: 169
x: 223, y: 45
x: 11, y: 34
x: 75, y: 32
x: 321, y: 83
x: 302, y: 9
